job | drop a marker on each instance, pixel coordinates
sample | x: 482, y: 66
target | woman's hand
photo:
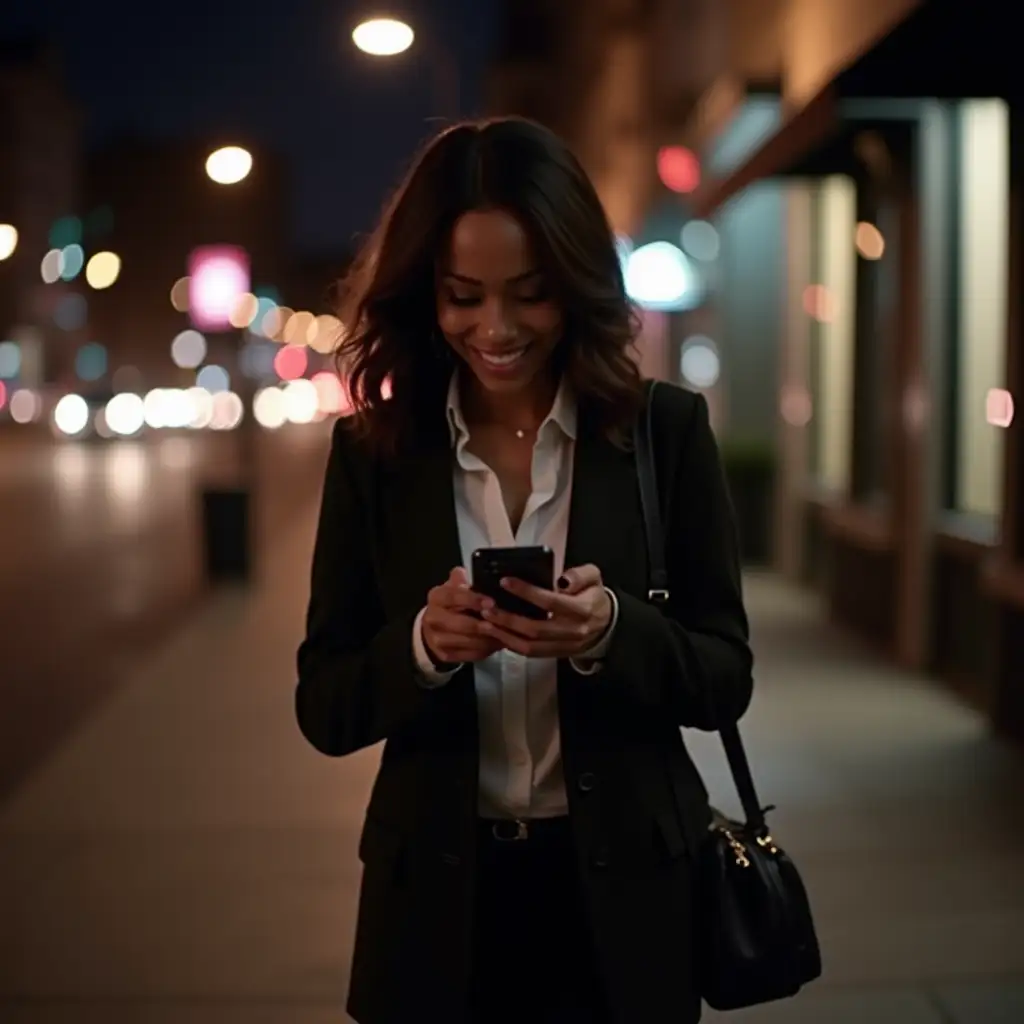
x: 579, y: 613
x: 451, y: 632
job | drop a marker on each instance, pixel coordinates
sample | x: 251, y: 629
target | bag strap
x: 658, y: 593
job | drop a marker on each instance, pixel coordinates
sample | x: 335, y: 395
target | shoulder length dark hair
x: 388, y: 301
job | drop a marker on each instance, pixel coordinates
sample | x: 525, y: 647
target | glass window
x: 980, y: 351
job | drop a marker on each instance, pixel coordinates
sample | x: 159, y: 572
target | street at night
x: 101, y: 556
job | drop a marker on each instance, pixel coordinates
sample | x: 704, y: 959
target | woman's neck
x: 518, y: 410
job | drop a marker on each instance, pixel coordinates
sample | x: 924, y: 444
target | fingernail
x: 563, y: 582
x: 487, y: 604
x: 505, y: 582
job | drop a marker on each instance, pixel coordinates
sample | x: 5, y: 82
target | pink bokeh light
x: 218, y: 278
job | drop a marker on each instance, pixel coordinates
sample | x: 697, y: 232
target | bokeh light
x: 699, y: 362
x: 102, y: 270
x: 188, y: 350
x: 72, y: 261
x: 179, y: 294
x: 71, y: 312
x: 10, y: 360
x: 125, y: 414
x: 869, y: 240
x: 91, y: 362
x: 8, y: 240
x: 678, y: 168
x: 25, y: 406
x: 229, y: 165
x: 213, y: 379
x: 290, y: 362
x: 66, y: 231
x: 52, y: 266
x: 700, y: 240
x: 218, y: 278
x: 71, y: 415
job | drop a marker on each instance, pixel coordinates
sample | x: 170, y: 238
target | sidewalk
x: 187, y: 858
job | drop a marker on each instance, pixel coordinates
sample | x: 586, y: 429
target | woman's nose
x: 495, y: 324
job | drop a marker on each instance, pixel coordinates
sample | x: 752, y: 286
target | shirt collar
x: 562, y: 414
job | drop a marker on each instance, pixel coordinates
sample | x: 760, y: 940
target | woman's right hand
x: 451, y: 633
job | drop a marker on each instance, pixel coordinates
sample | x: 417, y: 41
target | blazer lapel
x: 419, y: 537
x: 605, y: 518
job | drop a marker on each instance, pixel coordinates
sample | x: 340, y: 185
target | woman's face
x: 493, y: 304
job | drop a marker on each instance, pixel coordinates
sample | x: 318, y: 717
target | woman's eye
x: 534, y: 297
x: 462, y: 300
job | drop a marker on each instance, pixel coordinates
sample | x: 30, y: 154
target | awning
x: 943, y: 50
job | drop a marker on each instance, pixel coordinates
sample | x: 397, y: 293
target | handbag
x: 755, y: 937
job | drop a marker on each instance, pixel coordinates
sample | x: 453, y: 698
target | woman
x: 529, y: 844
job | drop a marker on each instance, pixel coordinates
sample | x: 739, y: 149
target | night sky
x: 283, y: 72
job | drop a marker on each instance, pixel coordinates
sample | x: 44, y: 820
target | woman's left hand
x: 579, y: 613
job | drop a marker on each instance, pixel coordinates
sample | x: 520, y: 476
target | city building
x: 889, y: 137
x: 40, y: 129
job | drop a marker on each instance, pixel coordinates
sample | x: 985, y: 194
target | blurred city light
x: 125, y: 414
x: 869, y: 241
x: 218, y: 278
x: 325, y: 334
x: 699, y: 363
x: 103, y: 269
x: 179, y: 295
x: 700, y: 240
x: 10, y: 360
x: 290, y: 362
x: 999, y: 407
x: 229, y: 165
x: 383, y: 37
x: 299, y: 328
x: 71, y: 415
x: 66, y: 231
x: 188, y: 350
x: 795, y: 405
x: 660, y: 277
x: 213, y: 379
x: 331, y: 395
x: 8, y: 240
x: 228, y: 411
x: 301, y: 401
x: 72, y: 261
x: 91, y: 361
x: 245, y: 310
x: 678, y: 168
x: 268, y: 408
x: 52, y: 266
x: 3, y: 394
x: 25, y: 406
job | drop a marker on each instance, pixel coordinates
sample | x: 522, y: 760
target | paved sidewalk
x: 186, y: 858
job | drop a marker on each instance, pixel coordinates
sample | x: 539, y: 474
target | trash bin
x: 227, y: 539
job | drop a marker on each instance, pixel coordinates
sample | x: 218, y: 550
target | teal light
x: 91, y: 361
x: 66, y: 231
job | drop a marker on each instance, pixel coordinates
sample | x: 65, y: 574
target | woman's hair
x: 391, y: 339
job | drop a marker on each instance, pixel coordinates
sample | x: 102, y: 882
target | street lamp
x: 383, y: 37
x: 386, y: 37
x: 229, y: 165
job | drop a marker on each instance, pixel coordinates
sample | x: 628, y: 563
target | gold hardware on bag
x: 766, y: 842
x: 737, y: 848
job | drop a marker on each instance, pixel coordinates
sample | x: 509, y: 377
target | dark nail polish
x: 563, y: 582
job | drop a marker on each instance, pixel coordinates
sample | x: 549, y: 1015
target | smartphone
x: 535, y: 565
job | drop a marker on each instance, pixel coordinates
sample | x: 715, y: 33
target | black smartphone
x: 535, y: 565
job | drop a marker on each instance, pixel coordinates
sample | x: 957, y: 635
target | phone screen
x: 535, y: 565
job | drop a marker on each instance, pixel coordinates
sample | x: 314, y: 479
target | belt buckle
x: 500, y: 829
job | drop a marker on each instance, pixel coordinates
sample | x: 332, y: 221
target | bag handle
x: 659, y: 594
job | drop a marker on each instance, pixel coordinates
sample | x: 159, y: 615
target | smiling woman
x: 494, y: 254
x: 497, y: 885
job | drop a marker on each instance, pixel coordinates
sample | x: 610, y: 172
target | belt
x: 518, y: 830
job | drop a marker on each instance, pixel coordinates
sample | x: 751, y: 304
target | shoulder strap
x: 659, y: 593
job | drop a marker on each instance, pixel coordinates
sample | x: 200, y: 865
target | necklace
x: 520, y: 434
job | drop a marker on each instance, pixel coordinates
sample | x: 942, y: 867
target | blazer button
x: 451, y: 859
x: 600, y: 859
x: 586, y: 782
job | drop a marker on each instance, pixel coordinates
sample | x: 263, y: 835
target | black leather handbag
x: 755, y: 937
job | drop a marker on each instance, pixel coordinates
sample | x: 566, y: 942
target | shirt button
x: 586, y: 782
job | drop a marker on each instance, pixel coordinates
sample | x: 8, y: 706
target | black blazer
x: 639, y: 810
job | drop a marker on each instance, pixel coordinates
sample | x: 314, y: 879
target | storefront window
x: 831, y: 303
x: 980, y: 356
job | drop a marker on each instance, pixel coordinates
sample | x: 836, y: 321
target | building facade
x: 40, y: 131
x: 896, y: 141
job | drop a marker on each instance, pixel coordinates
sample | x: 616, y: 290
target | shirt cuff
x: 589, y: 661
x: 429, y: 675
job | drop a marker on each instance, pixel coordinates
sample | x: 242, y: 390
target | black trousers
x: 533, y: 950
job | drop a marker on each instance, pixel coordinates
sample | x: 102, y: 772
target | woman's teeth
x: 506, y: 359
